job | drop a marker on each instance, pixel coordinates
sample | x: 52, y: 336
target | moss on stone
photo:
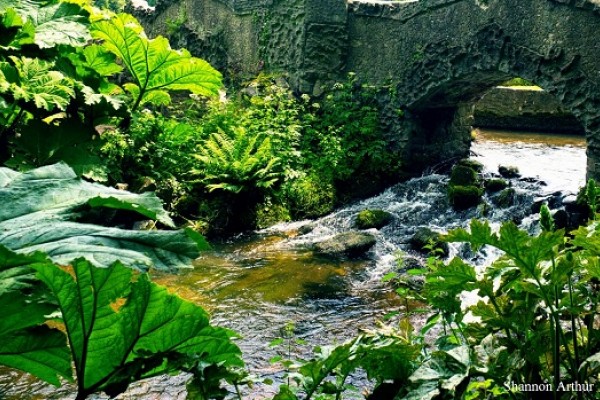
x: 505, y: 198
x: 474, y: 165
x: 509, y: 171
x: 464, y: 197
x: 377, y: 219
x: 495, y: 185
x: 463, y: 176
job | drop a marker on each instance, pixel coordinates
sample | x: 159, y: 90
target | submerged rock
x: 377, y: 219
x: 349, y: 244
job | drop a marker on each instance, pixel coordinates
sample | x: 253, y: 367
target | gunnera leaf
x: 41, y: 207
x: 123, y: 327
x: 26, y: 343
x: 154, y: 67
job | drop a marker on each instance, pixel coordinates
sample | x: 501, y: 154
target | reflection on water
x: 258, y: 283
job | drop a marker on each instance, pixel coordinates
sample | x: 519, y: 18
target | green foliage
x: 534, y: 303
x: 117, y: 6
x: 588, y: 196
x: 154, y: 67
x: 529, y: 318
x: 310, y: 196
x: 517, y: 82
x: 154, y: 152
x: 26, y: 343
x: 47, y: 84
x: 34, y: 81
x: 546, y: 220
x: 343, y: 136
x: 43, y: 207
x: 57, y: 90
x: 383, y: 354
x: 119, y: 327
x: 238, y: 162
x: 47, y: 25
x: 121, y: 330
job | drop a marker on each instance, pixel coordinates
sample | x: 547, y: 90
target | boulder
x: 377, y: 219
x: 469, y: 163
x: 349, y: 244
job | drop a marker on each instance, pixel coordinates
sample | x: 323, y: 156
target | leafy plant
x: 238, y: 162
x: 343, y: 137
x: 119, y: 326
x: 48, y: 80
x: 121, y: 330
x: 154, y: 151
x: 539, y: 292
x: 43, y: 207
x: 383, y: 353
x: 26, y: 342
x: 154, y: 67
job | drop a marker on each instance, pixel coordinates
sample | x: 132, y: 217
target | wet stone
x: 349, y: 244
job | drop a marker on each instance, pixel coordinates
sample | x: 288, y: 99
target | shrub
x: 343, y: 135
x: 310, y: 196
x: 238, y: 162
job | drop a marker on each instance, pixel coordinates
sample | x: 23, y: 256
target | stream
x: 257, y: 284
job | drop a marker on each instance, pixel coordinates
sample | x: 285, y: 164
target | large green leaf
x: 38, y: 83
x: 444, y: 371
x: 121, y: 329
x: 40, y: 212
x: 55, y: 22
x: 153, y: 65
x: 25, y: 343
x: 14, y: 32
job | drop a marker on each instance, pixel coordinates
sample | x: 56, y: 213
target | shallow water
x: 256, y: 284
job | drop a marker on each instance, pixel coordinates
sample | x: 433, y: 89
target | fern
x: 236, y: 162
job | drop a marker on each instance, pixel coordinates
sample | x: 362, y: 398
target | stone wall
x: 524, y: 108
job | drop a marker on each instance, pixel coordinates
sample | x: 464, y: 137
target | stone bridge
x: 438, y: 56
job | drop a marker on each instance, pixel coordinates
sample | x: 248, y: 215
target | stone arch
x: 438, y: 88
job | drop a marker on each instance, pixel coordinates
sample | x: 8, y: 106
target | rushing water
x: 257, y: 284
